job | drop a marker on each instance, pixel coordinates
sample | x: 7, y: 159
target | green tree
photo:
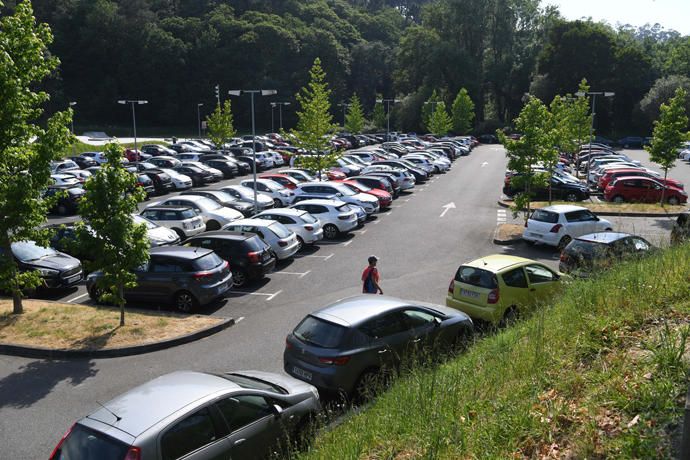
x: 439, y: 121
x: 26, y: 149
x: 354, y: 120
x: 669, y: 133
x: 379, y: 114
x: 220, y: 124
x: 315, y: 122
x: 108, y: 228
x: 571, y: 121
x: 428, y: 109
x: 663, y: 90
x: 536, y: 143
x: 463, y: 112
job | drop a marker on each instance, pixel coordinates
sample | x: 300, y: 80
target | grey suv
x: 195, y: 416
x: 347, y: 346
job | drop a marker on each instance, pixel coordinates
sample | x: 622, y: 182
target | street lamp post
x: 273, y: 106
x: 280, y: 112
x: 74, y: 147
x: 344, y: 105
x: 134, y: 123
x: 263, y: 92
x: 594, y: 95
x: 198, y: 117
x: 388, y: 111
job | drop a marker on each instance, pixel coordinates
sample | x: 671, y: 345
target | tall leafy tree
x: 108, y: 228
x: 220, y: 124
x: 571, y: 121
x: 463, y: 112
x: 354, y: 120
x: 669, y: 133
x: 534, y: 146
x: 439, y: 121
x: 379, y: 114
x: 26, y: 148
x: 315, y: 122
x: 429, y: 107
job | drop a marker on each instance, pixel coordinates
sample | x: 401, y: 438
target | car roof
x: 322, y: 201
x: 182, y: 252
x: 603, y: 237
x: 561, y: 208
x: 497, y: 262
x: 166, y: 207
x: 187, y: 197
x: 355, y: 310
x: 145, y: 405
x: 250, y: 221
x: 226, y: 235
x: 284, y: 211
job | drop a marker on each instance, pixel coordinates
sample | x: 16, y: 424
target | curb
x: 505, y: 204
x: 48, y: 353
x: 502, y: 242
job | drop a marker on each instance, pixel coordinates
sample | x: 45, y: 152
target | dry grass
x: 618, y: 207
x: 82, y: 327
x: 509, y: 232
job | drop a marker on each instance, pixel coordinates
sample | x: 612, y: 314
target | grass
x: 600, y: 373
x: 618, y: 207
x: 81, y: 147
x: 74, y: 326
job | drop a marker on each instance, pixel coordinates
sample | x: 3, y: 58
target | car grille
x: 72, y: 271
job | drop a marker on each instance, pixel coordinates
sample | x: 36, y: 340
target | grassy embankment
x: 81, y: 147
x: 600, y: 373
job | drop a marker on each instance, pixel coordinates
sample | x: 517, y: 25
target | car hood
x: 161, y: 235
x: 58, y: 261
x: 365, y: 197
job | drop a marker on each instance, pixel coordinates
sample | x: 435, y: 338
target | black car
x: 146, y: 183
x: 180, y: 148
x: 68, y: 199
x: 560, y: 191
x: 199, y: 176
x: 162, y: 182
x: 228, y: 169
x: 250, y: 258
x: 250, y: 161
x: 488, y: 139
x: 57, y: 270
x: 419, y: 175
x: 225, y: 199
x: 156, y: 150
x: 388, y: 177
x: 84, y: 162
x: 600, y: 251
x: 631, y: 142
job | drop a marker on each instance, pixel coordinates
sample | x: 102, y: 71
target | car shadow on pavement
x: 537, y: 251
x: 53, y: 294
x: 36, y: 380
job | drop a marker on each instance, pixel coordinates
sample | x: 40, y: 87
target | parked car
x: 496, y: 288
x: 197, y: 175
x: 301, y: 223
x: 217, y: 175
x: 404, y: 179
x: 335, y: 217
x: 184, y: 221
x: 283, y: 242
x: 560, y: 190
x: 612, y: 174
x: 185, y: 277
x: 352, y: 345
x: 56, y: 269
x: 161, y: 181
x: 83, y: 162
x: 631, y: 142
x: 145, y: 183
x: 681, y: 228
x: 557, y: 225
x: 594, y: 252
x: 156, y: 150
x: 180, y: 181
x: 214, y: 214
x: 644, y: 190
x: 136, y: 155
x: 328, y: 189
x: 283, y: 179
x: 281, y: 195
x: 164, y: 161
x: 228, y: 168
x: 60, y: 167
x: 158, y: 235
x: 98, y: 157
x: 298, y: 174
x: 64, y: 180
x: 250, y: 257
x: 225, y: 199
x: 80, y: 174
x: 380, y: 183
x: 246, y: 194
x: 385, y: 198
x: 68, y: 199
x: 420, y: 176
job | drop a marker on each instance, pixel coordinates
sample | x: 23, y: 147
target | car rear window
x: 308, y: 218
x: 256, y: 244
x: 586, y: 250
x: 279, y: 229
x: 318, y: 332
x: 85, y: 444
x: 207, y: 262
x: 188, y: 214
x: 253, y: 383
x: 344, y: 208
x: 544, y: 216
x: 476, y: 277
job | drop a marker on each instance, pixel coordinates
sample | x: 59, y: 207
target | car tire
x: 330, y: 231
x: 673, y: 200
x: 212, y: 225
x: 300, y: 243
x: 510, y: 316
x: 572, y: 196
x: 95, y: 295
x: 564, y: 242
x: 618, y: 199
x: 180, y: 233
x: 184, y: 302
x: 369, y: 384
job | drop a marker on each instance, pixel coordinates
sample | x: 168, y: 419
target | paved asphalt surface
x: 419, y: 247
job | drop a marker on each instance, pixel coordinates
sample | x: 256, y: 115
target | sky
x: 671, y: 14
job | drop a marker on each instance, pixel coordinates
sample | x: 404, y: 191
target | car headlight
x: 48, y: 272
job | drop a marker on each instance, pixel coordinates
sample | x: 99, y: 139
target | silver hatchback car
x: 195, y: 416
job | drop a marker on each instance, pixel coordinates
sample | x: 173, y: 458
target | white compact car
x: 335, y: 216
x: 214, y: 214
x: 281, y: 240
x: 304, y: 225
x: 182, y: 220
x: 179, y: 180
x: 164, y: 161
x: 60, y: 167
x: 280, y: 194
x: 158, y: 235
x: 557, y: 225
x: 65, y: 180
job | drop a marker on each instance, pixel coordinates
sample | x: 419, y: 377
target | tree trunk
x: 17, y: 306
x: 663, y: 190
x: 550, y: 178
x: 121, y: 299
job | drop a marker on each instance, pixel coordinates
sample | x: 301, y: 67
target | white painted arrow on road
x: 485, y: 163
x: 448, y: 206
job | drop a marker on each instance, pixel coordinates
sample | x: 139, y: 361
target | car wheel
x: 277, y: 203
x: 510, y: 316
x: 572, y: 196
x: 180, y: 233
x: 330, y: 231
x: 618, y: 199
x: 300, y: 243
x: 564, y: 242
x: 62, y: 210
x: 95, y: 295
x: 184, y: 302
x: 239, y: 278
x: 608, y: 229
x: 368, y: 385
x: 212, y: 225
x: 673, y: 200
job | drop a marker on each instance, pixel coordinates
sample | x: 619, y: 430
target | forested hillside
x: 173, y: 53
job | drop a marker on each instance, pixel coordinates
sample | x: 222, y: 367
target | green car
x: 495, y: 287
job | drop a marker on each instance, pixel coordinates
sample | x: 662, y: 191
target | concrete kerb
x: 56, y: 354
x: 506, y: 204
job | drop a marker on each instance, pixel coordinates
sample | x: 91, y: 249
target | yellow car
x: 493, y: 288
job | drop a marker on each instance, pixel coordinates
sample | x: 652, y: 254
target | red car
x: 642, y: 189
x: 385, y: 198
x: 283, y: 179
x: 629, y: 172
x: 135, y: 155
x: 334, y: 174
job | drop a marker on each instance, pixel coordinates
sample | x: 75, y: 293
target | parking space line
x: 300, y: 274
x: 77, y: 297
x: 347, y: 243
x: 264, y: 294
x: 316, y: 257
x: 239, y: 319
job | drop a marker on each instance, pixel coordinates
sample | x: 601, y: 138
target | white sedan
x: 557, y: 225
x: 180, y: 181
x: 280, y: 194
x: 304, y: 225
x: 335, y: 216
x: 214, y: 214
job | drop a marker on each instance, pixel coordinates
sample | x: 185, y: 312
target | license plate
x: 301, y: 373
x: 222, y: 288
x: 73, y: 279
x: 467, y: 293
x: 536, y: 235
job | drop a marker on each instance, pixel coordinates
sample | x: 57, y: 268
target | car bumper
x: 489, y: 313
x: 287, y: 251
x: 328, y: 378
x: 63, y: 282
x: 345, y: 226
x: 209, y: 293
x: 550, y: 239
x: 194, y: 231
x: 183, y: 185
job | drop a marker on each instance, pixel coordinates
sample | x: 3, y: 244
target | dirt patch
x: 82, y: 327
x: 508, y: 232
x: 618, y: 207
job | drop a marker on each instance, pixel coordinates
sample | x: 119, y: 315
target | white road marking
x: 264, y: 294
x: 448, y: 206
x: 77, y: 297
x: 485, y: 163
x: 300, y: 274
x: 316, y: 257
x: 347, y: 243
x: 406, y: 200
x: 239, y: 319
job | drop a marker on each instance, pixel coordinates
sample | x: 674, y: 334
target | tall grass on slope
x: 601, y: 373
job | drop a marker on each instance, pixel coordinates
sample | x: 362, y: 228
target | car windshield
x: 279, y: 229
x: 318, y: 332
x: 245, y: 192
x: 476, y: 277
x: 84, y: 444
x: 140, y: 220
x: 345, y: 190
x: 344, y: 208
x: 28, y: 250
x: 273, y: 185
x: 544, y: 216
x: 363, y: 187
x: 208, y: 262
x: 586, y: 250
x: 224, y: 196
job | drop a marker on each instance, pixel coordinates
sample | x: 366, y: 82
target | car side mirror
x: 437, y: 321
x: 597, y: 218
x: 338, y: 194
x: 277, y: 410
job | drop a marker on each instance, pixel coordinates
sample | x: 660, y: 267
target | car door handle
x: 417, y: 340
x: 239, y: 441
x: 383, y: 351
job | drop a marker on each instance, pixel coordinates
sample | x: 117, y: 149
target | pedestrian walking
x: 371, y: 278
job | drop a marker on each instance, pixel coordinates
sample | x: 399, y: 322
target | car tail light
x: 201, y: 276
x: 339, y: 361
x: 556, y: 228
x: 288, y: 345
x: 134, y: 453
x: 282, y: 243
x: 493, y: 296
x: 451, y: 286
x: 343, y: 217
x: 309, y: 227
x: 59, y: 444
x: 254, y: 257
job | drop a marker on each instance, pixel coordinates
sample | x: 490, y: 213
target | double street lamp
x: 594, y: 95
x: 280, y: 112
x: 388, y: 111
x: 134, y: 122
x: 263, y: 92
x: 198, y: 117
